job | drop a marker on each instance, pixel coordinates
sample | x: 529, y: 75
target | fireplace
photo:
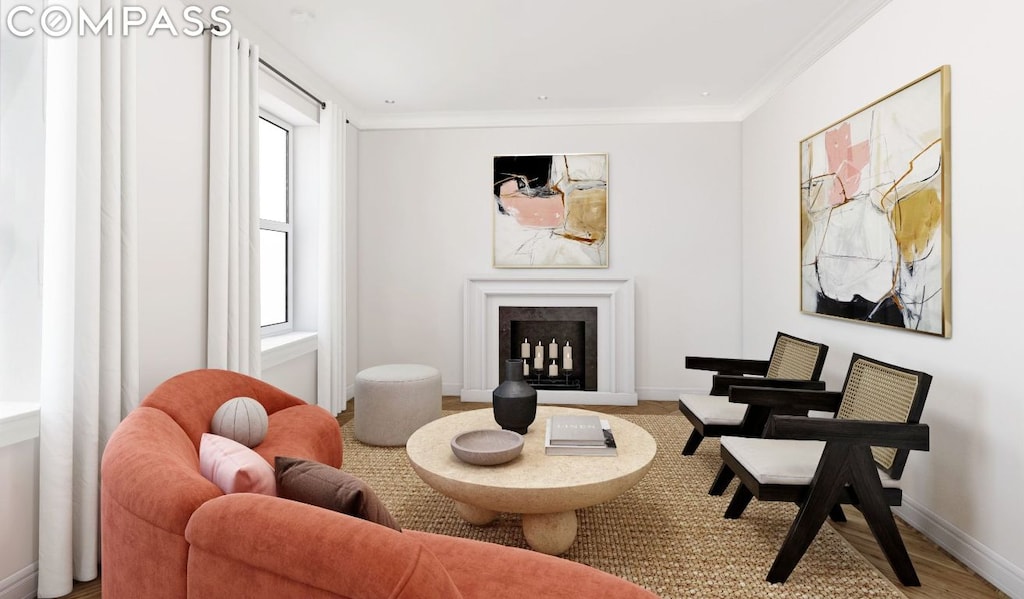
x: 558, y: 344
x: 485, y: 343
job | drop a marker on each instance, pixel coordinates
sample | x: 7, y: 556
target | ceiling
x: 450, y: 62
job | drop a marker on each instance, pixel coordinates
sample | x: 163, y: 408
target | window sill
x: 19, y: 421
x: 278, y: 349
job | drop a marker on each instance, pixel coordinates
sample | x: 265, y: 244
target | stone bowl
x: 487, y: 447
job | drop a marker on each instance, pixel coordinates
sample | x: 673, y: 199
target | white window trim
x: 287, y: 228
x: 279, y: 349
x: 286, y: 108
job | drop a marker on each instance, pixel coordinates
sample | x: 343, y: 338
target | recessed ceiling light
x: 389, y: 101
x: 705, y: 94
x: 302, y: 16
x: 542, y: 97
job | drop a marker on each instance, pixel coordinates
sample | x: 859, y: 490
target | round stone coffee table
x: 546, y: 490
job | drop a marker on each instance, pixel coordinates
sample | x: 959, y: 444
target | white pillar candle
x: 567, y: 357
x: 538, y: 357
x: 526, y: 368
x: 553, y: 369
x: 524, y: 350
x: 553, y: 349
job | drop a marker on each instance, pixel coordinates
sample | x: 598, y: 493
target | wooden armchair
x: 855, y: 458
x: 794, y: 364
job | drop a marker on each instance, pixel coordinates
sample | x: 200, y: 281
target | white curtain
x: 233, y: 312
x: 89, y: 354
x: 21, y: 211
x: 331, y: 289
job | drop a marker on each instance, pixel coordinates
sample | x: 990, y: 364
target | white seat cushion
x: 783, y: 461
x: 397, y: 373
x: 714, y: 409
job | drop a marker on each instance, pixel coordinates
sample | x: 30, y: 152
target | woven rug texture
x: 666, y: 534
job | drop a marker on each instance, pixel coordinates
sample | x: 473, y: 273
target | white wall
x: 296, y: 376
x: 425, y: 206
x: 964, y: 492
x: 19, y: 518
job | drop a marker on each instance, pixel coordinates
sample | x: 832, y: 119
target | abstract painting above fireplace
x: 551, y: 211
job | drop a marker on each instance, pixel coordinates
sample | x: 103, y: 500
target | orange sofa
x: 169, y: 532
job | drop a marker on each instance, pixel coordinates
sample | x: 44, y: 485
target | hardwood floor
x: 941, y: 575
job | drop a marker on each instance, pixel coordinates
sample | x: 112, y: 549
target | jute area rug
x: 666, y: 534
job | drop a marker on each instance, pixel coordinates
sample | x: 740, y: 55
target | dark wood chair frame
x: 733, y: 372
x: 847, y: 472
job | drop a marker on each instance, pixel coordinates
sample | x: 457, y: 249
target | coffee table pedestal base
x: 547, y: 533
x: 550, y: 533
x: 475, y: 515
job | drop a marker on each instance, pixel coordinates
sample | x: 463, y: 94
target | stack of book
x: 579, y: 435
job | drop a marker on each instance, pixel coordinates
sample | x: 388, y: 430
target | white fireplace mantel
x: 613, y: 298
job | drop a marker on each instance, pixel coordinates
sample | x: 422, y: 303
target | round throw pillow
x: 242, y: 419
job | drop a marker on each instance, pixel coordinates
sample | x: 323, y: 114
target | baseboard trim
x: 648, y: 393
x: 986, y: 563
x: 581, y: 398
x: 666, y: 393
x: 23, y: 584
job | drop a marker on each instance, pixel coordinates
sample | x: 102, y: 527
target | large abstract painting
x: 551, y: 211
x: 874, y: 194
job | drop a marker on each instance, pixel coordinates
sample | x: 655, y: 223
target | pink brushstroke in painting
x: 540, y: 211
x: 845, y: 161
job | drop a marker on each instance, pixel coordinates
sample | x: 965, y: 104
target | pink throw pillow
x: 234, y: 467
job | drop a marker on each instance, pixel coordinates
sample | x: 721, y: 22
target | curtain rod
x: 274, y: 69
x: 293, y: 84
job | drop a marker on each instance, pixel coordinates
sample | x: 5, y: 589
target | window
x: 276, y: 272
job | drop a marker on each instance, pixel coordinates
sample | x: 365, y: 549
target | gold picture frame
x: 875, y: 243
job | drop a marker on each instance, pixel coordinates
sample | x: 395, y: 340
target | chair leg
x: 837, y: 514
x: 739, y: 502
x: 824, y: 493
x: 692, y: 442
x: 878, y: 516
x: 722, y: 481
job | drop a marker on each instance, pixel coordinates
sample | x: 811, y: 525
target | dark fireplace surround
x: 577, y: 325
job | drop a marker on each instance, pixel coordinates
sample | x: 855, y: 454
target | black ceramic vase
x: 515, y: 401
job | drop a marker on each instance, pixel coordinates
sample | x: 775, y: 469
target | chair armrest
x: 728, y: 365
x: 793, y: 399
x: 899, y: 435
x: 721, y: 383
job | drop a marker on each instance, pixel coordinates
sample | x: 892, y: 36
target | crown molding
x: 552, y: 118
x: 840, y: 24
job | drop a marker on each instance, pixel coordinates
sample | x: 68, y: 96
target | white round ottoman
x: 394, y: 400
